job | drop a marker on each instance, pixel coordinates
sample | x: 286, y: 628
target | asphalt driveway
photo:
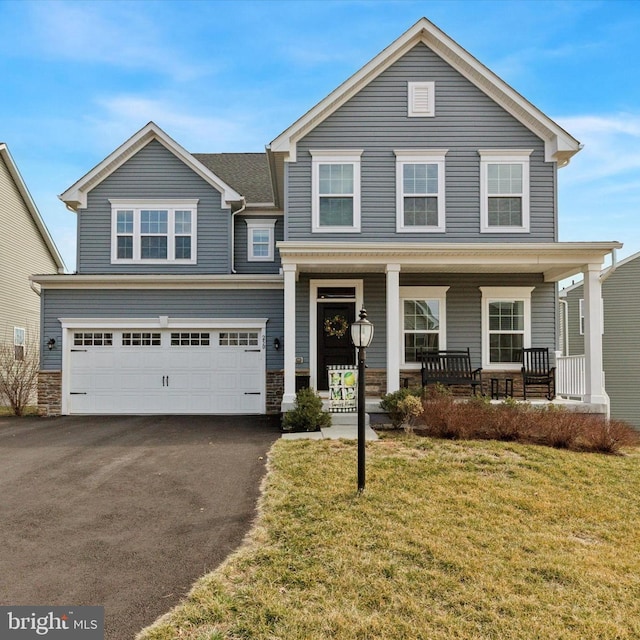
x: 124, y: 512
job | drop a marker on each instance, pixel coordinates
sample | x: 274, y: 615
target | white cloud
x: 107, y: 32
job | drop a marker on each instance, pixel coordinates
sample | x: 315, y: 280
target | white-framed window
x: 92, y: 339
x: 190, y: 339
x: 238, y: 339
x: 506, y: 326
x: 421, y: 101
x: 260, y: 240
x: 581, y: 315
x: 335, y: 190
x: 420, y: 186
x: 153, y: 231
x: 504, y: 190
x: 141, y: 339
x: 19, y: 342
x: 423, y: 312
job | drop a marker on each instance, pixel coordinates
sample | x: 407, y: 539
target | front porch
x: 464, y: 279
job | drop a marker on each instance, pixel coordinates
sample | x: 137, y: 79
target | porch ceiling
x: 555, y: 261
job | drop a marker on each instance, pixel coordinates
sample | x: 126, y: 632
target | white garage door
x: 166, y: 371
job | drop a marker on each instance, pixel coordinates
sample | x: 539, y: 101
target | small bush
x: 390, y: 403
x: 307, y: 415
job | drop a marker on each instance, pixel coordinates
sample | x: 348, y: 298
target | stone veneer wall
x: 49, y: 393
x: 275, y: 390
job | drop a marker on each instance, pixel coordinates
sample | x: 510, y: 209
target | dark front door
x: 334, y: 337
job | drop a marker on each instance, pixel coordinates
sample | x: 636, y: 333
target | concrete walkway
x: 342, y: 426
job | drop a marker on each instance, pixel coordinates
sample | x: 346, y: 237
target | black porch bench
x: 450, y: 367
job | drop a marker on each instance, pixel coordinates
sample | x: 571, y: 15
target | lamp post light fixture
x: 361, y: 334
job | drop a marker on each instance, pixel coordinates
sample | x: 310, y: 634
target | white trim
x: 504, y: 294
x: 163, y: 322
x: 290, y: 277
x: 504, y: 156
x: 560, y: 146
x: 421, y: 99
x: 259, y: 224
x: 422, y: 156
x: 393, y: 326
x: 75, y: 197
x: 423, y: 293
x: 581, y: 321
x: 170, y: 206
x: 326, y: 157
x: 314, y: 285
x: 161, y: 281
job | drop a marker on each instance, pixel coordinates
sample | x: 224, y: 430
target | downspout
x: 613, y: 267
x: 233, y: 234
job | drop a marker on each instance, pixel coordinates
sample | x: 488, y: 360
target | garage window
x: 239, y: 339
x: 92, y: 339
x: 141, y: 339
x: 190, y: 339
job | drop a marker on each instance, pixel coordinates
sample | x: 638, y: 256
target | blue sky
x: 78, y: 78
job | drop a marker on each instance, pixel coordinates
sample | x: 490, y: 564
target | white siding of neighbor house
x: 23, y: 252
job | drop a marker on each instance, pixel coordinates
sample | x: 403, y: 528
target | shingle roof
x: 247, y: 173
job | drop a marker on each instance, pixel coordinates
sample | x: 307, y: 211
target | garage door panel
x: 188, y: 372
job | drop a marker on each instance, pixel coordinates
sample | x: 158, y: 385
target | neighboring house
x: 423, y: 188
x: 25, y: 248
x: 620, y: 338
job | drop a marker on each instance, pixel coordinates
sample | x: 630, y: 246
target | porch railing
x: 570, y: 376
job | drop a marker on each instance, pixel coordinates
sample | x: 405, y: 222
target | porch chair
x: 536, y: 370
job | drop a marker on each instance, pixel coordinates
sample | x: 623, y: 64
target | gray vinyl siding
x: 85, y: 303
x: 242, y: 264
x: 464, y: 310
x: 153, y: 172
x: 621, y: 341
x: 466, y: 120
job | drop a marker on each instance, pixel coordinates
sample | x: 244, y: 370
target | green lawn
x: 450, y: 540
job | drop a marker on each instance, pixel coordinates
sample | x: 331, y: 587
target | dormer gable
x: 75, y: 197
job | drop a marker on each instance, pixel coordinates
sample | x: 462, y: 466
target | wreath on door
x: 336, y: 326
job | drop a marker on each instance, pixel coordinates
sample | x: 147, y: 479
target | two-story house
x: 25, y: 246
x: 423, y: 188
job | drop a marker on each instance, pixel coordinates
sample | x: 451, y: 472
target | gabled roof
x: 560, y: 146
x: 247, y: 173
x: 75, y: 197
x: 31, y: 207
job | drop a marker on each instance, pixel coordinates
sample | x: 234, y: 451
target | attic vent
x: 421, y: 99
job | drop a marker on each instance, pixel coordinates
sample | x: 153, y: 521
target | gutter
x: 233, y: 238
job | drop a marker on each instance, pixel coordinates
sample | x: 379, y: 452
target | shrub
x: 390, y: 403
x: 445, y: 417
x: 307, y: 415
x: 18, y: 376
x: 410, y: 408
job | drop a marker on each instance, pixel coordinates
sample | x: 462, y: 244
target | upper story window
x: 506, y: 326
x: 504, y: 190
x: 153, y: 232
x: 335, y: 190
x: 421, y: 101
x: 420, y: 190
x: 260, y: 240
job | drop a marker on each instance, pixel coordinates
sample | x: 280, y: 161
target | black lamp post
x: 361, y: 334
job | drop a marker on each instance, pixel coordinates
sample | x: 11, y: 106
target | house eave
x: 155, y: 281
x: 555, y: 261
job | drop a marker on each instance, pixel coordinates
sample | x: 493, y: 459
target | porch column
x: 594, y: 386
x: 393, y: 327
x: 289, y: 395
